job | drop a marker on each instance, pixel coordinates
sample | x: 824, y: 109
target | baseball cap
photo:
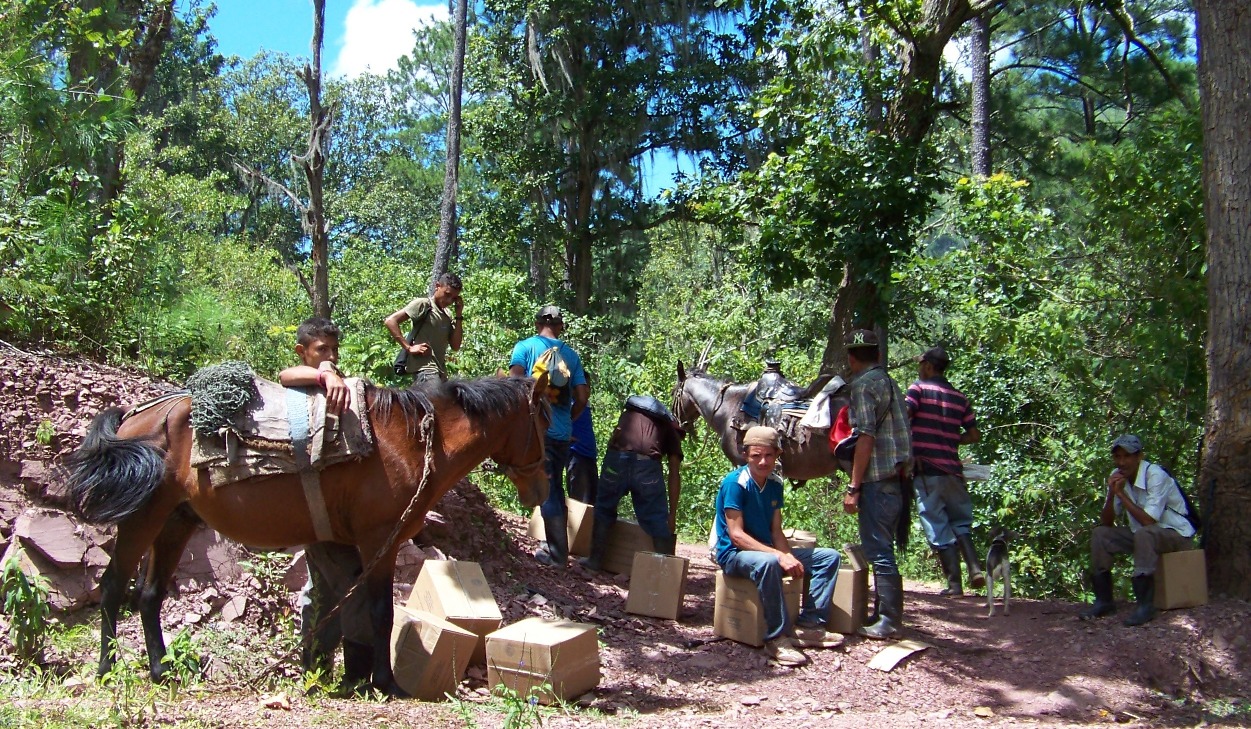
x: 860, y: 338
x: 1130, y: 443
x: 935, y: 355
x: 551, y: 313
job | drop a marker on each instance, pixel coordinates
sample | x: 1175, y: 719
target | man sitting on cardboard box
x: 1156, y: 510
x: 750, y: 544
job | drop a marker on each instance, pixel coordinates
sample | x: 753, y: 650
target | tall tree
x: 979, y: 62
x: 446, y: 250
x: 1225, y: 88
x: 312, y: 165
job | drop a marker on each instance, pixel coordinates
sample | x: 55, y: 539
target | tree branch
x: 1127, y: 26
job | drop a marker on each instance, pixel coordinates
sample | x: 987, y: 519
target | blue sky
x: 360, y: 35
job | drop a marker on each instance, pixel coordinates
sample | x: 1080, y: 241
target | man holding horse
x: 879, y: 468
x: 438, y: 322
x: 750, y: 544
x: 569, y: 396
x: 332, y: 568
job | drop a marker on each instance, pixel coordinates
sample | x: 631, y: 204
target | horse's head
x: 522, y: 450
x: 684, y: 407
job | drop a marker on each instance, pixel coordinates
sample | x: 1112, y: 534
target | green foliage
x: 25, y: 601
x: 45, y: 432
x: 182, y: 658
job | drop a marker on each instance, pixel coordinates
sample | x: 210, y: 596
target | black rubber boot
x: 890, y: 608
x: 1144, y: 593
x: 977, y: 580
x: 358, y: 662
x: 950, y: 557
x: 599, y: 545
x: 665, y: 545
x: 557, y: 549
x: 1101, y: 582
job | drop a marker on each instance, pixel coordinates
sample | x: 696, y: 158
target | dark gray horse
x: 697, y: 394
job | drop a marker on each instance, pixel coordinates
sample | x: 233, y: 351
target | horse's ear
x: 539, y: 391
x: 500, y: 373
x: 681, y: 371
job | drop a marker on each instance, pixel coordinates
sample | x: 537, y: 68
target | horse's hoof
x: 390, y: 689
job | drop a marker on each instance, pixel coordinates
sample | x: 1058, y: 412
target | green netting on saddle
x: 218, y: 392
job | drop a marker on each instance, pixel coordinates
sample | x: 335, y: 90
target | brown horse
x: 135, y: 472
x: 697, y: 394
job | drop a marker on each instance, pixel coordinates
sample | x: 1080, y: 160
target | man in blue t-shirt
x: 583, y: 472
x: 750, y: 544
x: 550, y: 324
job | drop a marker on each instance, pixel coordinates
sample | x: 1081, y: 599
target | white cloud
x: 377, y: 32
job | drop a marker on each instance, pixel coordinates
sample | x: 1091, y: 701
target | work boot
x: 889, y: 590
x: 665, y: 545
x: 358, y: 662
x: 599, y: 545
x: 950, y: 557
x: 556, y: 551
x: 1101, y: 582
x: 1144, y: 593
x: 782, y: 650
x: 977, y: 580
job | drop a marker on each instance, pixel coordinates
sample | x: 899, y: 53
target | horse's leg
x: 166, y: 553
x: 134, y: 536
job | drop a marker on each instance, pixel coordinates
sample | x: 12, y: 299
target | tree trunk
x: 313, y: 165
x: 854, y: 291
x: 979, y: 52
x: 1225, y: 475
x: 447, y: 248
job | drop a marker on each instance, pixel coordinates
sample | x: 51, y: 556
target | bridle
x: 679, y: 392
x: 531, y: 469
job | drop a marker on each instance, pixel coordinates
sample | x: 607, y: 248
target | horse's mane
x: 481, y: 399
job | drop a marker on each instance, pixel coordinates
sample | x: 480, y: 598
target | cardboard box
x: 850, y: 604
x: 657, y: 584
x: 737, y: 612
x: 581, y: 525
x: 428, y: 654
x: 534, y: 651
x: 1181, y: 580
x: 625, y: 539
x: 800, y: 539
x: 457, y: 592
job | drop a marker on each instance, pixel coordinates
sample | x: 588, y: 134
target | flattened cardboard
x: 581, y: 525
x: 534, y: 651
x: 890, y: 656
x: 737, y: 612
x: 625, y: 539
x: 429, y: 655
x: 457, y: 592
x: 850, y: 602
x: 657, y: 584
x: 1181, y: 580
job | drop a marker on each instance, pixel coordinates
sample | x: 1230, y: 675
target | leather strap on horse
x: 310, y: 478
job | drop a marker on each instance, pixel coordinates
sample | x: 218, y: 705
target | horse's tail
x: 111, y: 477
x: 903, y: 528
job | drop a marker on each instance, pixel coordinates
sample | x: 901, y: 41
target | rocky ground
x: 1037, y: 666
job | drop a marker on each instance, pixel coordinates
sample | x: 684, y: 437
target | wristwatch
x: 853, y: 489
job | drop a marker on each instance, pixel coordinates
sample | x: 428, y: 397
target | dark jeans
x: 332, y: 568
x: 881, y: 503
x: 556, y: 459
x: 583, y: 478
x: 641, y: 477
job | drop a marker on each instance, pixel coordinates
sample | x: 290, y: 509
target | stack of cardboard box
x: 458, y: 592
x: 1181, y: 580
x: 429, y: 655
x: 851, y: 592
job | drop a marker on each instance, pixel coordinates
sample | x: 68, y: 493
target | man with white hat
x: 1152, y: 502
x: 750, y: 544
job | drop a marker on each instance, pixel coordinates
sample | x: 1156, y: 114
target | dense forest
x: 1035, y: 202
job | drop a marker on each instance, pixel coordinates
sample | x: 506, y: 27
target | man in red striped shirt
x: 942, y: 420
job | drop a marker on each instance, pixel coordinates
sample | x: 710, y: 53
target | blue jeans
x: 881, y: 503
x: 762, y: 568
x: 625, y: 472
x: 556, y: 460
x: 945, y: 507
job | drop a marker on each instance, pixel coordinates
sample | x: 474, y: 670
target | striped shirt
x: 939, y: 413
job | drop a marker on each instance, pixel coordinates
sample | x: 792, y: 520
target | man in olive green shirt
x: 437, y: 323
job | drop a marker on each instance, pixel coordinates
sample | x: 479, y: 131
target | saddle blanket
x: 258, y: 441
